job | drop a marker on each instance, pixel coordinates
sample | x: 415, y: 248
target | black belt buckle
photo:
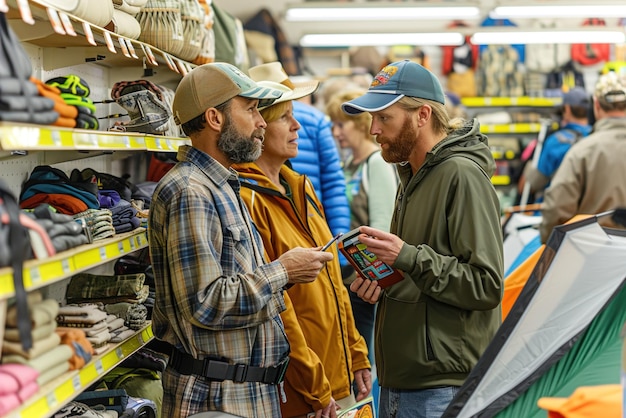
x: 241, y: 370
x: 215, y: 370
x: 276, y: 373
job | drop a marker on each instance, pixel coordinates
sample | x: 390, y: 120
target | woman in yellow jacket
x: 327, y: 352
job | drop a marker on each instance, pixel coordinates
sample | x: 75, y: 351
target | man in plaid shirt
x: 217, y: 300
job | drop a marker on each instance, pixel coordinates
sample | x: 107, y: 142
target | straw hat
x: 273, y: 75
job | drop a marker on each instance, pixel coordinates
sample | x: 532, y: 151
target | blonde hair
x: 362, y: 121
x: 273, y: 112
x: 441, y: 120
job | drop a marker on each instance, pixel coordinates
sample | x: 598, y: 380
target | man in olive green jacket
x: 446, y: 238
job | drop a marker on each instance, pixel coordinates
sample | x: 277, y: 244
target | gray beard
x: 238, y: 148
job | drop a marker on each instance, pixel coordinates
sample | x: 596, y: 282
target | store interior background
x: 318, y: 62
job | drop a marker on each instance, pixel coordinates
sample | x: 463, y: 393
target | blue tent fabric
x: 528, y: 249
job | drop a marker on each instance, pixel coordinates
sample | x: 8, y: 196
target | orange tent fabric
x: 515, y: 281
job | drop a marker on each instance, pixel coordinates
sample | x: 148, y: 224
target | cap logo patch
x: 384, y: 75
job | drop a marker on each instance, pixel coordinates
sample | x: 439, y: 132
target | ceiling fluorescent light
x: 548, y: 37
x: 344, y: 40
x: 315, y: 13
x: 539, y: 11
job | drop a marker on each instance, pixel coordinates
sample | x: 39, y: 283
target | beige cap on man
x: 210, y: 85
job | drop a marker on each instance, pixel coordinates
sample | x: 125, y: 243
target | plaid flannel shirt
x: 215, y: 295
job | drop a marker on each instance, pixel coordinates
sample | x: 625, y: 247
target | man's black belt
x: 219, y: 371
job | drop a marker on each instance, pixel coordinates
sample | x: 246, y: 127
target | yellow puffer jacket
x: 326, y: 348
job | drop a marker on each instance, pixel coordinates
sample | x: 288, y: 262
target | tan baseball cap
x: 272, y: 72
x: 210, y: 85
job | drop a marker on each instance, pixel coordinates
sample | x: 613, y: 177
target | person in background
x: 327, y: 352
x: 371, y: 186
x: 432, y: 326
x: 218, y: 303
x: 590, y: 180
x: 318, y: 156
x: 574, y: 126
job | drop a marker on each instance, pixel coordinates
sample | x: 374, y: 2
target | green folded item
x: 71, y: 84
x: 74, y: 100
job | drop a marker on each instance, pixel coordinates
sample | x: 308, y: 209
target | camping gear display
x: 161, y: 25
x: 143, y: 100
x: 192, y: 19
x: 207, y: 46
x: 562, y: 332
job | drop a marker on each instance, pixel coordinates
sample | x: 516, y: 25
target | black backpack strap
x: 20, y: 242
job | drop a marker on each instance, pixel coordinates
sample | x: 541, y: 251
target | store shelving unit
x: 507, y: 141
x: 63, y: 389
x: 106, y: 57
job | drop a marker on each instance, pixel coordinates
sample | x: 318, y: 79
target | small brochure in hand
x: 365, y: 262
x: 362, y: 409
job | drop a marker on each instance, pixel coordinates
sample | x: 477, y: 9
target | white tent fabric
x: 588, y: 267
x: 519, y: 230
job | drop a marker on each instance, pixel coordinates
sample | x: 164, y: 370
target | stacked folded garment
x: 108, y: 198
x: 17, y: 383
x: 63, y: 230
x: 119, y: 332
x: 75, y: 92
x: 91, y: 318
x: 144, y: 102
x: 19, y: 99
x: 67, y: 113
x: 99, y: 222
x: 51, y: 185
x: 42, y: 315
x: 124, y: 217
x: 47, y: 355
x: 86, y: 287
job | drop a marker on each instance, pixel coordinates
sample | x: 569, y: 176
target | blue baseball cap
x: 393, y: 82
x: 577, y: 96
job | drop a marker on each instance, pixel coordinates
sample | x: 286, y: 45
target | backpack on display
x: 461, y: 58
x: 499, y: 72
x: 563, y: 79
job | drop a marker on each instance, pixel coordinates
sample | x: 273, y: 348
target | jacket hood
x: 466, y: 140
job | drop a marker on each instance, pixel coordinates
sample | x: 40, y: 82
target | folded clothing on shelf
x: 26, y: 106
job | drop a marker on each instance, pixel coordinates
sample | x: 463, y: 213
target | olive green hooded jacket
x: 432, y: 327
